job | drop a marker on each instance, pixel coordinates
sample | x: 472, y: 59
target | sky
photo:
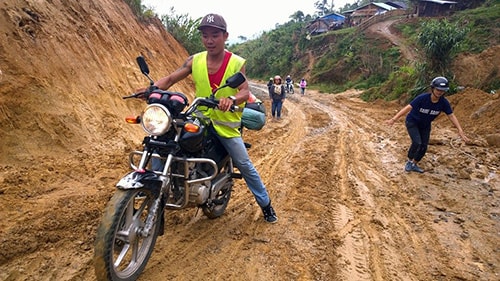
x: 248, y: 18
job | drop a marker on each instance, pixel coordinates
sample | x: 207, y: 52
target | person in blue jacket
x: 419, y: 115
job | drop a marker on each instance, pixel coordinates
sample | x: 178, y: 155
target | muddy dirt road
x: 347, y: 210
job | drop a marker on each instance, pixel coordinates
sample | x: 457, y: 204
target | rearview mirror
x: 143, y: 65
x: 236, y: 80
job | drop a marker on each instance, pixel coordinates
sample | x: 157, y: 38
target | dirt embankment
x: 65, y: 65
x: 334, y: 170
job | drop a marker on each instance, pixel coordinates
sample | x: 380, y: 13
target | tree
x: 298, y: 16
x: 323, y: 7
x: 184, y: 29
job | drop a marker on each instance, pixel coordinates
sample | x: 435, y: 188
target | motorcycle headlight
x: 156, y: 119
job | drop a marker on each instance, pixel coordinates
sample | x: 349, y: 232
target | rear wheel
x: 217, y: 209
x: 221, y: 200
x: 121, y: 251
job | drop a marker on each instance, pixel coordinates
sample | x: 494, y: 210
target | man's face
x: 213, y: 39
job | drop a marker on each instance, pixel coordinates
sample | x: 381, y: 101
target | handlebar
x: 142, y: 95
x: 211, y: 103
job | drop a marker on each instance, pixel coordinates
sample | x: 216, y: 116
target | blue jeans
x: 419, y: 140
x: 236, y: 148
x: 276, y: 108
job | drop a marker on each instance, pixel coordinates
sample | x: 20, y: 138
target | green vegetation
x: 184, y: 29
x: 273, y: 52
x: 483, y: 24
x: 341, y: 59
x: 139, y: 10
x: 439, y: 39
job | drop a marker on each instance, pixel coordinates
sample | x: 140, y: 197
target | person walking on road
x: 303, y: 85
x: 419, y: 115
x: 209, y: 69
x: 278, y: 96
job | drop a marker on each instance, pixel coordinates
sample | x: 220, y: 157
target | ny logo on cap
x: 210, y: 18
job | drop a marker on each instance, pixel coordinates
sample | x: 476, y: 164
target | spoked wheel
x: 121, y: 250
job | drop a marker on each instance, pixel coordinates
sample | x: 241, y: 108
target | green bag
x: 254, y: 116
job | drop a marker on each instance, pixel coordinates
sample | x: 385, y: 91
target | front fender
x: 136, y: 180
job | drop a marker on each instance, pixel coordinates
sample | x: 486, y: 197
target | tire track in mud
x: 362, y: 220
x: 353, y: 252
x: 315, y: 193
x: 360, y: 185
x: 312, y: 193
x: 384, y: 213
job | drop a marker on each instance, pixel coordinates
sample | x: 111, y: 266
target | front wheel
x: 121, y: 250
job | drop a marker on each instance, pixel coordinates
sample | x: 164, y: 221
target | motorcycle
x: 181, y: 165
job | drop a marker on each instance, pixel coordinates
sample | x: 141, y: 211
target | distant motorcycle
x: 181, y: 165
x: 289, y: 87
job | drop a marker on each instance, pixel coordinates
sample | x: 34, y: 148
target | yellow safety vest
x: 227, y: 124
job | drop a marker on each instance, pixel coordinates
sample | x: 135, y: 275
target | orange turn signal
x: 133, y: 119
x: 192, y: 128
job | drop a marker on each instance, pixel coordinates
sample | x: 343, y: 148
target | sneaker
x: 408, y: 166
x: 416, y: 168
x: 269, y: 214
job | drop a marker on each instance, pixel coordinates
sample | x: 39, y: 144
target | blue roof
x: 334, y: 17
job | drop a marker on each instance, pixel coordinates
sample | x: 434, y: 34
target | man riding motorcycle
x: 208, y: 69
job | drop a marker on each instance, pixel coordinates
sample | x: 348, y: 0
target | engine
x: 198, y: 192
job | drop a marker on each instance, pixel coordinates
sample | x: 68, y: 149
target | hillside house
x: 325, y: 23
x: 434, y: 8
x: 397, y: 5
x: 367, y: 11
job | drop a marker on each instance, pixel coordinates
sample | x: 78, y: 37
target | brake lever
x: 135, y: 95
x: 235, y: 108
